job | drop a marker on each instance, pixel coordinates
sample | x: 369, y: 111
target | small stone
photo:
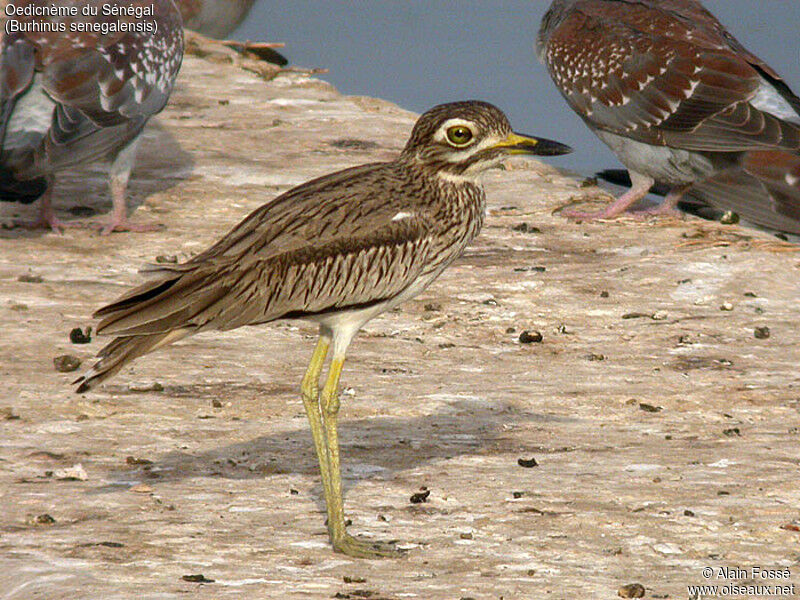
x: 604, y: 294
x: 592, y: 357
x: 76, y: 336
x: 650, y: 408
x: 637, y: 315
x: 349, y: 579
x: 43, y: 519
x: 150, y: 386
x: 141, y: 488
x: 420, y: 497
x: 527, y: 463
x: 761, y: 333
x: 732, y: 432
x: 517, y: 495
x: 73, y: 473
x: 526, y: 228
x: 166, y: 259
x: 132, y: 460
x: 466, y: 536
x: 433, y: 307
x: 659, y: 315
x: 632, y: 590
x: 199, y: 578
x: 688, y: 513
x: 530, y: 337
x: 729, y: 218
x: 7, y: 413
x: 29, y: 278
x: 215, y: 403
x: 726, y: 306
x: 511, y: 330
x: 66, y: 363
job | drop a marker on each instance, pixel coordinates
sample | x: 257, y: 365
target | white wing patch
x: 403, y: 215
x: 768, y: 100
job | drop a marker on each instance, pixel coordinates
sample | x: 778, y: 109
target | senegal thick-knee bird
x: 78, y: 88
x: 681, y: 103
x: 336, y: 251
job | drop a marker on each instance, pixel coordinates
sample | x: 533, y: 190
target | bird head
x: 463, y: 139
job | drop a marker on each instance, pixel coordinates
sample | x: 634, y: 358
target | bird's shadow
x: 82, y: 193
x: 375, y: 447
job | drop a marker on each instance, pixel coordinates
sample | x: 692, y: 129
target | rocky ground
x: 661, y: 405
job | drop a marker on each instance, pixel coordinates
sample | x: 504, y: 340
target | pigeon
x: 681, y: 103
x: 78, y: 82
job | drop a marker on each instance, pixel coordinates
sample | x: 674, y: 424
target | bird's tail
x: 764, y: 188
x: 123, y: 350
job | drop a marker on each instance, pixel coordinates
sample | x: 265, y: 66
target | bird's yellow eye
x: 459, y: 135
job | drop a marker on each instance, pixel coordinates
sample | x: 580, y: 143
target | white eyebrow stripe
x: 441, y: 133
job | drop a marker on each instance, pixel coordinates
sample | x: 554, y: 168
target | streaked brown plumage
x: 337, y: 251
x: 70, y: 96
x: 681, y: 102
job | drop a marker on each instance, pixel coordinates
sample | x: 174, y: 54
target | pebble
x: 73, y: 473
x: 7, y: 413
x: 632, y: 590
x: 526, y: 228
x: 420, y: 497
x: 726, y: 306
x: 76, y: 336
x: 28, y: 278
x: 43, y: 519
x: 66, y: 363
x: 527, y: 463
x: 530, y: 337
x: 761, y: 333
x: 150, y: 386
x: 199, y: 578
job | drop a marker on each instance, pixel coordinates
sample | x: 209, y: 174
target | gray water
x: 420, y: 53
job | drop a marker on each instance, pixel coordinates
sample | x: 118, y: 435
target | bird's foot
x: 612, y: 212
x: 362, y: 548
x: 600, y: 215
x: 47, y: 221
x: 662, y: 210
x: 126, y: 225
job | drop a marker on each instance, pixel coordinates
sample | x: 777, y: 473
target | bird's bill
x: 516, y: 143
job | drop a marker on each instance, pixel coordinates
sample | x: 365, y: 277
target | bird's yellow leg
x: 310, y: 390
x: 341, y: 540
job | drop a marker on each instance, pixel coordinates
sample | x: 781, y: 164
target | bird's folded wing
x: 319, y: 247
x: 642, y: 72
x: 349, y: 272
